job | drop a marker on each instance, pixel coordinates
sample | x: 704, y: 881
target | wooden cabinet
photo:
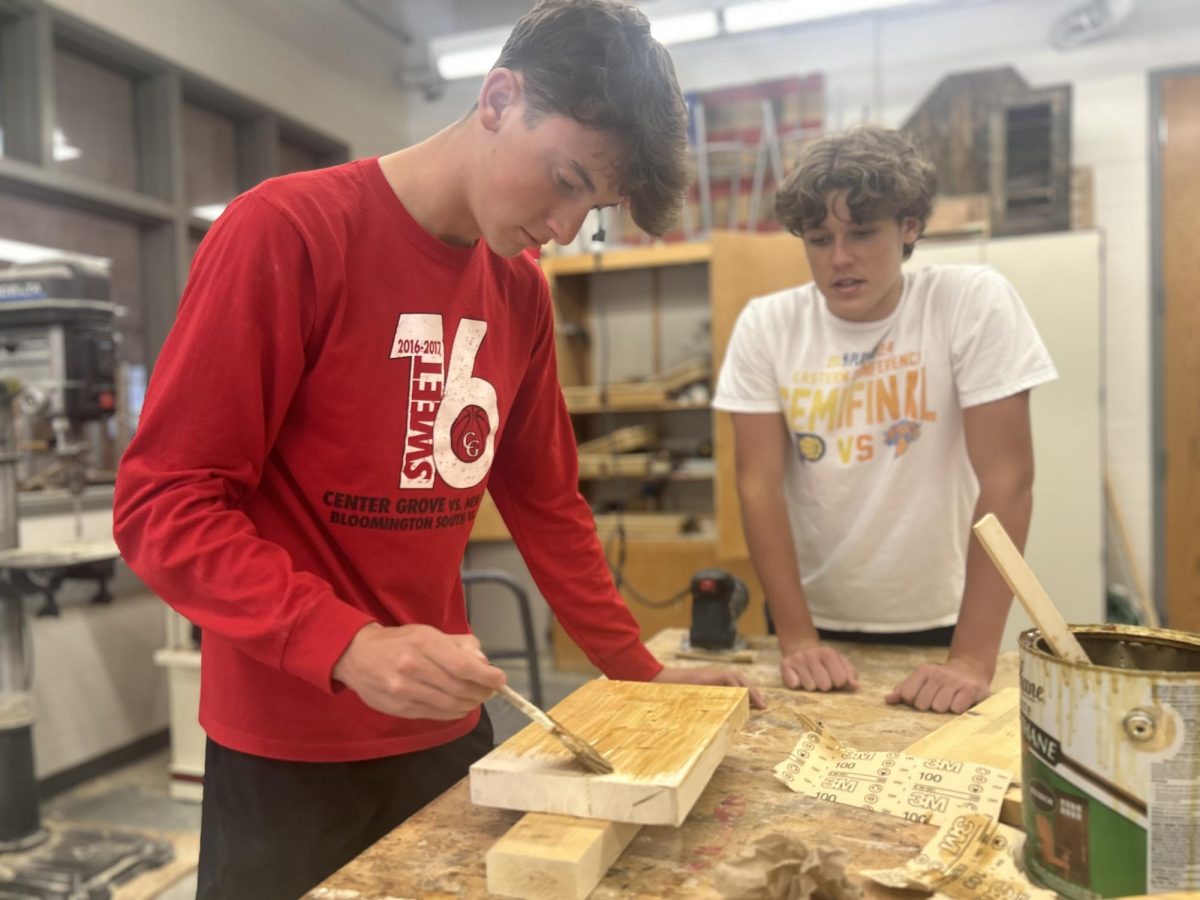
x: 631, y: 314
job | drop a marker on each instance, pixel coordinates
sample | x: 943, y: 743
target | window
x: 95, y: 128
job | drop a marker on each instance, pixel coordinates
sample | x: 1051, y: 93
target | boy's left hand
x: 953, y: 686
x: 720, y: 677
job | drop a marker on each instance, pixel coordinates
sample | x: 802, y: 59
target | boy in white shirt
x: 877, y: 414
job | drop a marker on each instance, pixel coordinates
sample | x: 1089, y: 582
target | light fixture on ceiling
x: 678, y: 28
x: 472, y: 54
x: 773, y: 13
x: 22, y: 252
x: 63, y: 149
x: 209, y: 212
x: 467, y: 55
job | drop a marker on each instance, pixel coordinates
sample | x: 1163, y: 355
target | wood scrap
x: 645, y: 525
x: 547, y: 857
x: 719, y: 656
x: 683, y: 374
x: 656, y: 389
x: 607, y: 465
x: 988, y: 734
x: 634, y: 437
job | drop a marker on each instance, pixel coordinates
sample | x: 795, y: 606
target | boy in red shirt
x: 359, y: 353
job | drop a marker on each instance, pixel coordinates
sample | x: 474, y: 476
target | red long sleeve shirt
x: 337, y: 392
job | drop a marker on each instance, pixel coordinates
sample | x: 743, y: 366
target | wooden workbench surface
x: 440, y: 851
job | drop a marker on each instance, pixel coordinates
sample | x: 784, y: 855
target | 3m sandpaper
x: 911, y: 787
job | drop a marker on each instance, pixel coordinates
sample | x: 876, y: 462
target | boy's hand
x: 719, y: 677
x: 815, y: 667
x: 417, y: 672
x: 953, y: 686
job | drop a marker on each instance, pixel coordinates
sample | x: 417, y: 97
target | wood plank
x: 634, y: 437
x: 682, y: 375
x: 664, y: 741
x: 590, y: 403
x: 606, y: 465
x: 990, y: 734
x: 646, y: 525
x: 743, y: 266
x: 630, y: 258
x: 488, y: 525
x: 548, y: 857
x: 1180, y: 336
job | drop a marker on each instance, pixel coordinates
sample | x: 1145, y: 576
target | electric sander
x: 718, y: 599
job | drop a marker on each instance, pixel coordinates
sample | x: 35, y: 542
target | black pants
x: 271, y: 828
x: 930, y: 637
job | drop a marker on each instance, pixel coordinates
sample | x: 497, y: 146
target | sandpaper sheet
x: 910, y: 787
x: 970, y: 858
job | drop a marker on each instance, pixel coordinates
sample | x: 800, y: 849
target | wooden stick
x: 589, y: 757
x: 1029, y: 591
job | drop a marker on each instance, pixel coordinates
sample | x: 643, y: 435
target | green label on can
x: 1076, y: 845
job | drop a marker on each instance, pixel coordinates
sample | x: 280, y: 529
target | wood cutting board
x: 664, y: 741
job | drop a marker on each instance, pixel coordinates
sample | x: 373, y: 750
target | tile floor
x: 136, y: 795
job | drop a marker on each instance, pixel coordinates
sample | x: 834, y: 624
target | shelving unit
x: 634, y: 313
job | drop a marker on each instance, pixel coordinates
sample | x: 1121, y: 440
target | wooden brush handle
x: 1029, y: 591
x: 526, y: 707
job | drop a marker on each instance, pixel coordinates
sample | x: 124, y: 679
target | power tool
x: 718, y: 599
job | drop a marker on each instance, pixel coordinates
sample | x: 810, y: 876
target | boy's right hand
x: 811, y: 666
x: 417, y: 672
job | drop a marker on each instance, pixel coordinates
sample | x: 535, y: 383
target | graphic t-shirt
x: 337, y: 392
x: 880, y: 490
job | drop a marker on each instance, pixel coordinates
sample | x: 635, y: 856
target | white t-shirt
x: 880, y: 491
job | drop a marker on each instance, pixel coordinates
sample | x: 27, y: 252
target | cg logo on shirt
x: 811, y: 447
x: 469, y: 433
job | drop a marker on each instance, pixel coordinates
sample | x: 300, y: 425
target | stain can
x: 1110, y: 762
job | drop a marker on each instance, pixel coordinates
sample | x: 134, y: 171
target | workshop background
x: 1067, y: 135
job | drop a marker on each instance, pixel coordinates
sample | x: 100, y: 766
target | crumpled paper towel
x: 778, y: 867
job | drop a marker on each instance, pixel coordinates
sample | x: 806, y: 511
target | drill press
x: 58, y: 362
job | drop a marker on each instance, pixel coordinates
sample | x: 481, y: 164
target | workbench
x: 440, y: 851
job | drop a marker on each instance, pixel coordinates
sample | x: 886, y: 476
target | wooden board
x: 489, y: 526
x: 634, y: 437
x: 990, y: 734
x: 664, y: 741
x: 1180, y: 364
x: 648, y: 525
x: 743, y: 266
x: 609, y: 465
x: 552, y: 857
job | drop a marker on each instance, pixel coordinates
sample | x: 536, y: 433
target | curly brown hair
x: 595, y: 61
x: 882, y: 172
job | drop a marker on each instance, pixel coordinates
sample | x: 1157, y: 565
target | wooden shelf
x: 633, y: 467
x: 628, y: 258
x: 590, y: 408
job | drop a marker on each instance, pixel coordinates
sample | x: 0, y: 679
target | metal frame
x: 529, y: 652
x: 30, y: 32
x: 1158, y: 301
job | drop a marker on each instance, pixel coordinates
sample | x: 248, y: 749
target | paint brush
x: 587, y: 755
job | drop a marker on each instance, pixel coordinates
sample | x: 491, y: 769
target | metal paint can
x: 1110, y: 762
